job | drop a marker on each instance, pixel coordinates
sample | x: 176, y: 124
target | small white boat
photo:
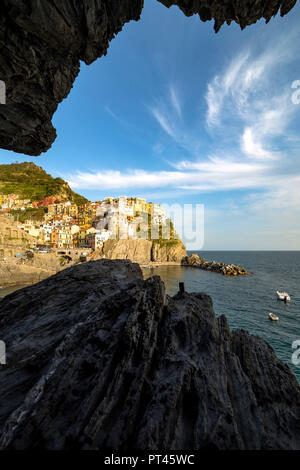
x: 273, y: 317
x: 283, y: 296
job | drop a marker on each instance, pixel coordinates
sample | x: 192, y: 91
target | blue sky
x: 177, y: 114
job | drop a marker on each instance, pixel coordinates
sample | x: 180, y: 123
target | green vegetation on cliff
x: 30, y: 181
x: 35, y: 214
x: 173, y: 238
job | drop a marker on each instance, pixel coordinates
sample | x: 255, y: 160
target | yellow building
x: 72, y: 210
x: 80, y: 238
x: 65, y: 238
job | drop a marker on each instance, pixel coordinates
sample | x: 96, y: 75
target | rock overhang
x: 43, y: 43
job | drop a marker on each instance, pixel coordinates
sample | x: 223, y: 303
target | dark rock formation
x: 99, y: 358
x: 42, y: 43
x: 244, y: 12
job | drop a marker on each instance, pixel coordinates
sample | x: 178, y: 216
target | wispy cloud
x: 248, y: 103
x: 175, y: 100
x: 283, y: 195
x: 221, y: 87
x: 214, y: 174
x: 248, y: 119
x: 167, y: 111
x: 164, y: 119
x: 112, y: 114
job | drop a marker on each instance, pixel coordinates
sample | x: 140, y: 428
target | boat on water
x: 273, y: 317
x: 283, y: 296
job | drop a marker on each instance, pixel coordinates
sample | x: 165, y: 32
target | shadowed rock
x: 42, y: 43
x: 98, y: 358
x: 244, y: 13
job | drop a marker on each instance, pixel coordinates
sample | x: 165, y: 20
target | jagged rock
x: 196, y: 262
x: 98, y: 358
x: 244, y: 13
x: 42, y: 43
x: 193, y: 259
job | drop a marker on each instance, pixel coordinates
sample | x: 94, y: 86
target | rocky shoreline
x: 22, y: 271
x: 20, y: 275
x: 99, y: 358
x: 226, y: 269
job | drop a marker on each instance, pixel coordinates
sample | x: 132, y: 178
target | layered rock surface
x: 168, y: 250
x: 98, y: 358
x: 42, y: 43
x: 143, y: 251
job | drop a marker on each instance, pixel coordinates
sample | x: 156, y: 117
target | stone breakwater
x: 226, y: 269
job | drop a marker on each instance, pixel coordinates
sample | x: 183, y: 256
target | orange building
x: 54, y: 238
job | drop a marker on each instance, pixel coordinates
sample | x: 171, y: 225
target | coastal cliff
x: 143, y: 251
x: 20, y: 275
x: 42, y: 44
x: 98, y: 358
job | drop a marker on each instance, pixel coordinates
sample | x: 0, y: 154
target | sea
x: 246, y: 300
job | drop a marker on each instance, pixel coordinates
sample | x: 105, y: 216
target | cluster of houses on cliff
x: 13, y: 202
x: 66, y: 225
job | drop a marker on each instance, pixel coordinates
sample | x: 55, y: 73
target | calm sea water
x: 247, y: 300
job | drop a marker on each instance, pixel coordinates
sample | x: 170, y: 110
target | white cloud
x: 175, y: 100
x: 250, y: 112
x: 165, y: 122
x: 168, y: 113
x: 220, y: 87
x: 251, y: 145
x: 214, y: 174
x: 221, y: 166
x: 283, y: 197
x: 248, y: 117
x: 247, y: 103
x: 130, y: 179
